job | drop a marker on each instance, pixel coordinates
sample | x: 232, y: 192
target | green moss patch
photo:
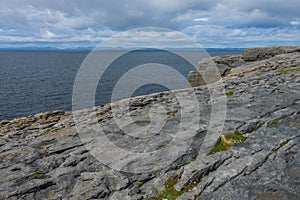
x: 170, y: 192
x: 49, y: 131
x: 37, y: 174
x: 230, y: 93
x: 137, y: 183
x: 284, y: 143
x: 227, y: 141
x: 285, y: 71
x: 274, y: 122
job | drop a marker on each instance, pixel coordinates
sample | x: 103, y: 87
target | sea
x: 34, y: 81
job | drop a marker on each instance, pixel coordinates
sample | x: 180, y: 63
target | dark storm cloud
x: 89, y: 22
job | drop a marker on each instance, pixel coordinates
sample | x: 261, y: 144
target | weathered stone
x: 195, y: 78
x: 230, y: 61
x: 224, y: 64
x: 254, y: 54
x: 43, y: 157
x: 4, y: 122
x: 134, y: 190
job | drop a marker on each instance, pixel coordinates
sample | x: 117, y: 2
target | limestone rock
x: 207, y: 67
x: 254, y: 54
x: 44, y: 157
x: 195, y: 78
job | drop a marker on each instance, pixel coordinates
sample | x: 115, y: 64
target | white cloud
x: 221, y: 36
x: 201, y: 19
x: 295, y: 23
x: 76, y: 22
x: 48, y: 34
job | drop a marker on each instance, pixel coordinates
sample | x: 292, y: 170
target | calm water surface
x: 38, y: 81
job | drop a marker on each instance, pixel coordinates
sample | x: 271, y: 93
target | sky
x: 67, y: 24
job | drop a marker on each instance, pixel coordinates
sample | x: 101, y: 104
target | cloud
x: 221, y: 36
x: 201, y: 19
x: 295, y: 22
x: 76, y: 22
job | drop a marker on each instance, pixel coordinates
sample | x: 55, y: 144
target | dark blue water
x: 38, y: 81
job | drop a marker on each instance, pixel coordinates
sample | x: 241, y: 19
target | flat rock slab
x: 44, y: 157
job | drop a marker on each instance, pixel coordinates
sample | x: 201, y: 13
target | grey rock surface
x: 206, y: 72
x: 44, y: 157
x: 254, y: 54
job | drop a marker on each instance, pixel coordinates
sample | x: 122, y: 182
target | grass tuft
x: 171, y: 193
x: 49, y: 131
x: 284, y: 143
x: 285, y: 71
x: 227, y: 141
x: 230, y: 93
x: 137, y: 183
x: 37, y: 174
x: 274, y: 122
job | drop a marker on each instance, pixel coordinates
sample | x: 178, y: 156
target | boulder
x: 195, y: 78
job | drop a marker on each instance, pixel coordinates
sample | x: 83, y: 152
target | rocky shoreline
x: 43, y: 157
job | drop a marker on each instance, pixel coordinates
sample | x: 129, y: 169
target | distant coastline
x: 90, y: 48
